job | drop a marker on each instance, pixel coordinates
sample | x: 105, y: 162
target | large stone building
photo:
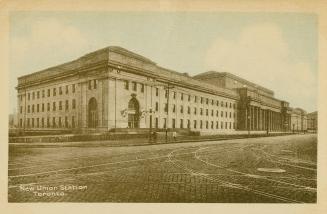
x: 115, y: 88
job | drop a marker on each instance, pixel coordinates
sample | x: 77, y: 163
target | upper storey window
x: 126, y: 84
x: 134, y: 86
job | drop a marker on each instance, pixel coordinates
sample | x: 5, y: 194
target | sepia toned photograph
x: 163, y: 107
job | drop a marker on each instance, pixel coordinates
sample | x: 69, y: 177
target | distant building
x: 312, y: 121
x: 116, y: 88
x: 298, y: 120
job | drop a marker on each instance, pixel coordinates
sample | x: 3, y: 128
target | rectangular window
x: 67, y: 90
x: 226, y: 114
x: 225, y: 125
x: 207, y: 124
x: 53, y: 106
x: 207, y: 112
x: 166, y: 93
x: 212, y: 112
x: 54, y: 92
x: 194, y: 124
x: 20, y: 122
x: 174, y: 95
x: 217, y: 125
x: 33, y: 95
x: 189, y: 98
x: 66, y: 122
x: 157, y: 92
x: 195, y: 99
x: 201, y: 111
x: 73, y: 122
x: 21, y: 109
x: 90, y: 84
x: 230, y: 114
x: 38, y: 107
x: 211, y: 124
x: 54, y: 122
x: 59, y: 121
x: 201, y: 101
x: 142, y: 87
x: 207, y: 101
x: 156, y: 122
x: 201, y: 124
x: 182, y: 109
x: 48, y: 93
x: 181, y: 123
x: 29, y: 96
x: 38, y: 94
x: 43, y: 93
x: 217, y: 103
x: 73, y: 104
x: 166, y: 107
x: 28, y: 109
x: 221, y: 125
x: 28, y: 122
x: 212, y: 102
x: 188, y: 124
x: 42, y: 121
x: 194, y: 110
x: 60, y: 105
x: 60, y: 90
x: 165, y: 123
x: 222, y: 114
x: 48, y: 108
x: 188, y: 110
x: 222, y: 103
x: 73, y: 88
x: 95, y: 84
x: 217, y: 113
x: 182, y: 96
x: 173, y: 123
x: 134, y: 86
x: 33, y: 122
x: 48, y: 122
x: 66, y: 105
x: 33, y: 108
x: 157, y: 106
x: 174, y: 108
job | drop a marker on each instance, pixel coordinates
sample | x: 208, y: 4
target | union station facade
x: 114, y: 88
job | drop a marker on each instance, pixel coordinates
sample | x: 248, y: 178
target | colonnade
x: 263, y: 119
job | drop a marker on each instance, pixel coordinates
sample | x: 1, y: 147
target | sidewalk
x: 140, y: 141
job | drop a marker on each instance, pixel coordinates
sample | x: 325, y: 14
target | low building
x: 312, y: 119
x: 115, y: 88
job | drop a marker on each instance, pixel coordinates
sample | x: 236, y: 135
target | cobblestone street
x: 238, y: 170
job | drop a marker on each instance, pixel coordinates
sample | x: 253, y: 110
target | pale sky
x: 275, y: 50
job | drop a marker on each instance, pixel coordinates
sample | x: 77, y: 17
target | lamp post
x: 167, y: 88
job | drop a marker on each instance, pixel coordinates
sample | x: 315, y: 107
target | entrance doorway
x: 133, y: 113
x: 93, y: 113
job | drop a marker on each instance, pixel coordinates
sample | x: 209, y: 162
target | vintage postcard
x: 170, y: 103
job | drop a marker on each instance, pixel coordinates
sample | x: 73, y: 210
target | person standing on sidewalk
x: 174, y: 135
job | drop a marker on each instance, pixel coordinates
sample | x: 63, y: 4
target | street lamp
x: 167, y: 88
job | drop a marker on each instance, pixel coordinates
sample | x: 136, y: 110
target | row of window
x: 41, y: 107
x: 38, y: 94
x: 60, y: 122
x: 174, y: 94
x: 195, y: 111
x: 201, y: 125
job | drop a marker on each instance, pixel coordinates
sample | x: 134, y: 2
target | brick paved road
x: 222, y: 171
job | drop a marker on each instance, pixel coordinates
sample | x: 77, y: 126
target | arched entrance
x: 133, y: 113
x: 92, y: 113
